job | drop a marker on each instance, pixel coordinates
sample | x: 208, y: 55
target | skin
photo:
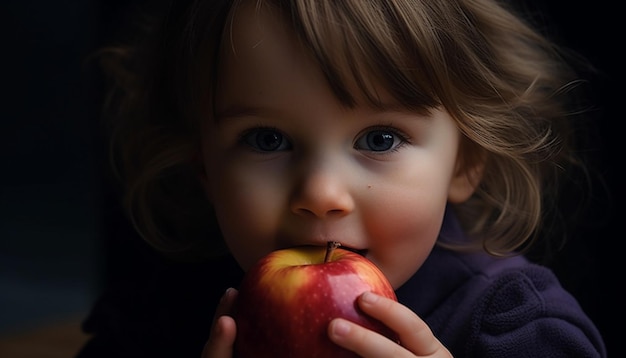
x: 287, y: 164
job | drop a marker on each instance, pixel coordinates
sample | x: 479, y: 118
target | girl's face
x: 287, y: 164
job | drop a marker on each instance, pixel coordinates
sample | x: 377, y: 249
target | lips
x: 317, y: 237
x: 362, y: 252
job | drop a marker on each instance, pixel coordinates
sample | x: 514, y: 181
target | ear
x: 465, y: 181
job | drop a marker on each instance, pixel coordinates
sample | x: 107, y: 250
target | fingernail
x: 341, y: 328
x: 369, y: 297
x: 226, y: 294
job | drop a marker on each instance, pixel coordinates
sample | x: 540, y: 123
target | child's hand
x: 224, y: 330
x: 415, y: 336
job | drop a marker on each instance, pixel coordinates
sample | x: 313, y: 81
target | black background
x: 57, y: 216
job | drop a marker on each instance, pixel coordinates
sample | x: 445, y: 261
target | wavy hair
x: 508, y: 88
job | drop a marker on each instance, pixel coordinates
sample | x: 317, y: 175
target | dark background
x: 57, y: 213
x: 50, y: 212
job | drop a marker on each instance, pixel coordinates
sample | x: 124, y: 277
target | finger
x: 220, y: 343
x: 223, y: 328
x: 364, y: 342
x: 414, y: 333
x: 226, y: 304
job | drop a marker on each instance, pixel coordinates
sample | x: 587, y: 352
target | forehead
x: 358, y: 62
x: 265, y: 64
x: 255, y: 33
x: 258, y: 52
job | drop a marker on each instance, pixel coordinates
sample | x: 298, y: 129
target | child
x: 426, y: 135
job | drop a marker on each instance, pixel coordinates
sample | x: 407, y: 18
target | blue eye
x: 266, y: 140
x: 379, y: 140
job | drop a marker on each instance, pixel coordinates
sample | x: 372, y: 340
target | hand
x: 416, y: 338
x: 223, y: 329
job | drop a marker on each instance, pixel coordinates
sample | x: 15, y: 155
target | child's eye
x: 266, y: 140
x: 380, y: 140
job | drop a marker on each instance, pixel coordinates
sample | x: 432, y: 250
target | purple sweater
x: 482, y: 306
x: 477, y: 305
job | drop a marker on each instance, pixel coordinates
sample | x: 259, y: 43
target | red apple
x: 287, y: 299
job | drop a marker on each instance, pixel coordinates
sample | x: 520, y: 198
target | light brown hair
x: 506, y: 86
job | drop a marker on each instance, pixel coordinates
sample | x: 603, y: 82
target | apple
x: 288, y: 298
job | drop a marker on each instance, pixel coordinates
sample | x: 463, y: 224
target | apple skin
x: 288, y: 298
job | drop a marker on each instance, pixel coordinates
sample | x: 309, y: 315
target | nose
x: 322, y: 191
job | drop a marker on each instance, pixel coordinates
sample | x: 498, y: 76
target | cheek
x: 247, y: 212
x: 403, y: 225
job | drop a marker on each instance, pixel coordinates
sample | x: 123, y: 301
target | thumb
x: 220, y: 343
x: 223, y: 330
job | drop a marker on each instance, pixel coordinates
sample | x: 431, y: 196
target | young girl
x: 426, y: 135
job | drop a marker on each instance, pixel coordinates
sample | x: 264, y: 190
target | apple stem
x: 330, y: 247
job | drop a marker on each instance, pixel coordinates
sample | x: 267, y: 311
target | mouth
x: 335, y: 244
x: 362, y: 252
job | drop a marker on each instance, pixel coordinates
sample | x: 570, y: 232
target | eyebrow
x: 236, y: 110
